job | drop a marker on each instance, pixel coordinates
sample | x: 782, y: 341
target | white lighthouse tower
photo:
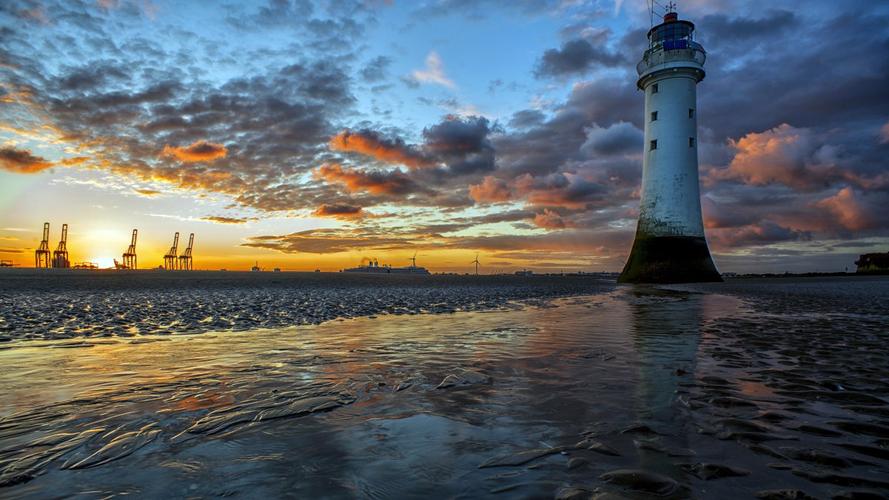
x: 670, y: 246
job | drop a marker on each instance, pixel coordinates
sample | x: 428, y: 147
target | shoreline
x: 121, y: 307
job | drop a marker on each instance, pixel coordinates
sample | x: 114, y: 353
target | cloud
x: 738, y: 29
x: 561, y: 190
x: 376, y: 68
x: 849, y: 210
x: 378, y: 182
x: 460, y: 143
x: 199, y: 151
x: 434, y: 72
x: 272, y: 121
x: 340, y: 211
x: 21, y: 161
x: 218, y: 219
x: 490, y: 190
x: 724, y: 215
x: 791, y: 156
x: 575, y: 57
x: 148, y: 193
x: 550, y: 219
x: 322, y: 241
x: 370, y: 143
x: 758, y: 234
x: 619, y: 138
x: 526, y: 118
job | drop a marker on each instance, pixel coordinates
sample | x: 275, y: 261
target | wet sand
x: 769, y: 389
x: 65, y: 303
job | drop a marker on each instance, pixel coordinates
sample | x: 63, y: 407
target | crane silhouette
x: 476, y: 262
x: 60, y: 255
x: 41, y: 255
x: 185, y: 261
x: 129, y: 257
x: 170, y: 257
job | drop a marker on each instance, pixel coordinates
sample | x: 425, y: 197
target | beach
x: 462, y: 386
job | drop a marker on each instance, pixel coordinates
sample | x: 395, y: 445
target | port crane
x: 41, y: 255
x: 129, y: 257
x: 185, y: 262
x: 476, y: 262
x: 170, y: 257
x: 60, y: 255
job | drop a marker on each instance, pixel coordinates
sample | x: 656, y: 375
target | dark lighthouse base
x: 669, y: 259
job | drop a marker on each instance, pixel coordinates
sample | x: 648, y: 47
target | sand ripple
x: 632, y: 393
x: 59, y: 304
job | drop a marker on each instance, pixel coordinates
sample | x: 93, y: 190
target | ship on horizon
x: 372, y: 266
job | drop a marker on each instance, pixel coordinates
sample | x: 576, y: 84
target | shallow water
x: 726, y: 390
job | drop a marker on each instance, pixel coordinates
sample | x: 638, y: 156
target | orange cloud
x: 198, y: 151
x: 212, y: 180
x: 370, y: 144
x: 849, y: 211
x: 77, y: 160
x: 790, y: 156
x: 147, y: 192
x: 776, y: 155
x: 226, y: 220
x: 22, y: 161
x: 339, y: 211
x: 550, y: 219
x: 378, y: 182
x: 491, y: 190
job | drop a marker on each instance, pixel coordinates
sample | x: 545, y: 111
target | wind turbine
x: 476, y: 262
x: 414, y: 260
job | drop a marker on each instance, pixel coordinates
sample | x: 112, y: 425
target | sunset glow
x: 381, y: 134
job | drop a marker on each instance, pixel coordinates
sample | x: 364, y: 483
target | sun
x: 103, y: 262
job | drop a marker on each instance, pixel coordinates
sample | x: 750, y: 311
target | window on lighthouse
x: 691, y: 142
x: 654, y: 116
x: 653, y: 145
x: 691, y: 112
x: 654, y: 89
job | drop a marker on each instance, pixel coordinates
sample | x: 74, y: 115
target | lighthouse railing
x: 659, y: 55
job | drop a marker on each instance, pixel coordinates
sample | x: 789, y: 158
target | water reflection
x: 666, y: 331
x: 526, y: 402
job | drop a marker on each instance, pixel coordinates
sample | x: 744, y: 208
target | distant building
x: 374, y: 267
x: 524, y: 272
x: 873, y: 263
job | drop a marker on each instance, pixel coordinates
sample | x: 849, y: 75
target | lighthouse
x: 670, y: 246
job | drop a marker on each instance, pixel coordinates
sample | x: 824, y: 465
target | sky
x: 309, y: 135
